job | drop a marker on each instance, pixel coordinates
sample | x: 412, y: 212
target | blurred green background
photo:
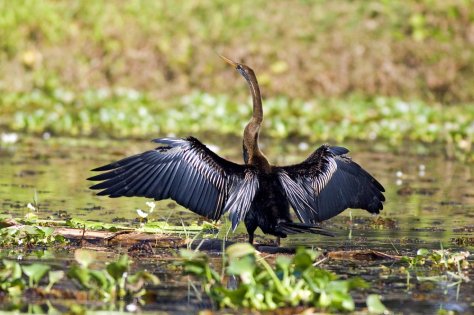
x: 329, y: 70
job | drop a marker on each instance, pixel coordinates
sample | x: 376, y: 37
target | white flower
x: 46, y: 135
x: 9, y: 137
x: 131, y: 308
x: 31, y: 207
x: 303, y: 146
x: 151, y: 205
x: 304, y: 294
x: 141, y: 213
x: 142, y: 112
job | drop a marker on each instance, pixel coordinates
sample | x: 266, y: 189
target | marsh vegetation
x: 86, y: 83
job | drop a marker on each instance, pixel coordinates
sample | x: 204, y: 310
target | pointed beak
x: 233, y: 64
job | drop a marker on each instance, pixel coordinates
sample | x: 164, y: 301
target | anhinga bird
x: 260, y: 194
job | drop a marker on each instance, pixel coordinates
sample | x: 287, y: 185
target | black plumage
x: 260, y: 194
x: 186, y: 171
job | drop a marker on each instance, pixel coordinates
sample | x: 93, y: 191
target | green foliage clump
x: 112, y: 283
x: 12, y: 277
x: 292, y: 282
x: 29, y: 235
x: 126, y: 113
x: 440, y: 265
x: 441, y: 258
x: 94, y: 225
x: 157, y: 227
x: 109, y: 284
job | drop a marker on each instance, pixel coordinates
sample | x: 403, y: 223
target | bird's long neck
x: 257, y: 116
x: 252, y: 153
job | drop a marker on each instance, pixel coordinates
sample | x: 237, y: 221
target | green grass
x: 412, y: 49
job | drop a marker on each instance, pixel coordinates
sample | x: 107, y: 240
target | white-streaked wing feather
x: 186, y: 171
x: 327, y: 183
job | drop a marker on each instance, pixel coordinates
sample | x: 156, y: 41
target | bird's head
x: 244, y: 70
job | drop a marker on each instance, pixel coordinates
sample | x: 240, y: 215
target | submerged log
x: 366, y: 254
x: 136, y: 240
x: 125, y: 238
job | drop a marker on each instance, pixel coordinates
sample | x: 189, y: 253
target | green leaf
x: 143, y: 276
x: 283, y: 262
x: 338, y: 285
x: 81, y: 275
x: 35, y: 272
x: 324, y: 299
x: 102, y: 279
x: 35, y: 309
x: 14, y: 269
x: 31, y: 217
x: 48, y: 231
x: 374, y: 305
x: 245, y: 265
x: 239, y: 250
x: 304, y: 258
x: 32, y: 230
x: 195, y: 268
x: 77, y: 309
x: 348, y: 303
x: 85, y: 257
x: 234, y: 297
x: 422, y: 252
x: 358, y: 283
x: 15, y: 290
x: 192, y: 255
x: 54, y: 276
x: 118, y: 268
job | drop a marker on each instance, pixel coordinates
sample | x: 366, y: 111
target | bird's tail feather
x: 295, y: 227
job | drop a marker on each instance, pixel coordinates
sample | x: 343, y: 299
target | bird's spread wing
x: 328, y: 182
x: 186, y: 171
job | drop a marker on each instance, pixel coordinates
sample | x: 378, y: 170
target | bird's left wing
x: 186, y: 171
x: 328, y: 182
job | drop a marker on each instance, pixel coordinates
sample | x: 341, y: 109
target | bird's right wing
x: 328, y: 182
x: 186, y: 171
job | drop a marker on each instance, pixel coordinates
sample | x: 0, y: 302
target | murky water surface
x: 430, y: 203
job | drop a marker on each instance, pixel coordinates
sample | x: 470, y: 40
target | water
x: 430, y: 203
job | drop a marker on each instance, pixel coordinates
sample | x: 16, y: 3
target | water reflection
x: 430, y: 203
x: 429, y: 197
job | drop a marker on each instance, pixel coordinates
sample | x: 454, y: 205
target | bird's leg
x: 251, y: 227
x: 251, y: 238
x: 277, y: 241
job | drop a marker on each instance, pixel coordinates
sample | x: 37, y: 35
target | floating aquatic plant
x: 137, y: 115
x: 441, y: 259
x: 111, y: 283
x: 29, y: 235
x: 291, y: 282
x: 13, y: 276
